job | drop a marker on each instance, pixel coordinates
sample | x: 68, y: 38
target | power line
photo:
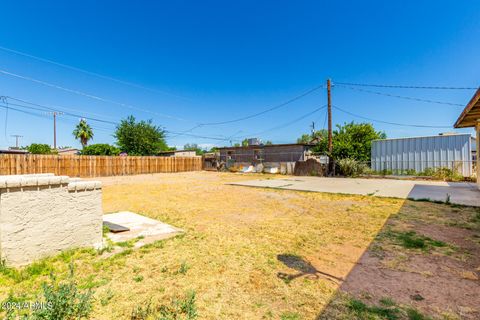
x: 406, y: 87
x: 387, y: 122
x: 62, y: 108
x: 288, y: 123
x: 94, y: 97
x: 267, y: 110
x: 131, y: 84
x: 401, y: 97
x: 42, y: 108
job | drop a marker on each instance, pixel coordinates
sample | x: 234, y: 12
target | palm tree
x: 83, y: 132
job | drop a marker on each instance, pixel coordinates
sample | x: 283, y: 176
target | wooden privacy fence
x: 94, y: 166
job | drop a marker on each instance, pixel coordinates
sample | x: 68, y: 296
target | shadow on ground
x: 304, y: 268
x: 423, y: 264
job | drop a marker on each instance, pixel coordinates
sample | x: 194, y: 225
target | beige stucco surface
x: 41, y: 215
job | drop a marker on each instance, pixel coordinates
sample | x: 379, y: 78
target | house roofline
x: 473, y: 101
x: 269, y: 146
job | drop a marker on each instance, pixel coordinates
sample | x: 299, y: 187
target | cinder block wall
x: 43, y: 214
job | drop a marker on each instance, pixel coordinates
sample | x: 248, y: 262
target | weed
x: 183, y: 268
x: 363, y: 311
x: 447, y: 199
x: 413, y: 314
x: 412, y: 240
x: 289, y: 316
x: 388, y: 302
x: 184, y: 308
x: 61, y: 300
x: 105, y: 298
x: 138, y: 278
x: 105, y: 230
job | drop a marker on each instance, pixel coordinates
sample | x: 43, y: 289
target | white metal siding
x: 423, y: 152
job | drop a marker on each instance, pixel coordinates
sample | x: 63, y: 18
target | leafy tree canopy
x: 39, y: 148
x: 350, y: 140
x: 101, y: 149
x: 193, y: 146
x: 141, y: 138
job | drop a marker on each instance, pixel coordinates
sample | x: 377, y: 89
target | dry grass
x: 230, y: 253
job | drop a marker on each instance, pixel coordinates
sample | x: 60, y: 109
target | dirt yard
x: 251, y: 253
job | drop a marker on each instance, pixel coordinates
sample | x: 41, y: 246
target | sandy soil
x: 252, y: 253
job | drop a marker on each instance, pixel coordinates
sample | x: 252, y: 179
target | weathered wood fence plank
x: 94, y: 166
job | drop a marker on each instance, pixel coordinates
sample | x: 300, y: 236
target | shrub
x: 39, y: 148
x: 442, y: 173
x: 351, y: 167
x: 101, y: 149
x: 61, y: 301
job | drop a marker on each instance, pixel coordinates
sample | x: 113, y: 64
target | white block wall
x: 41, y: 215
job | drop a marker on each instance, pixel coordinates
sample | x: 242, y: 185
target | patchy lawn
x: 252, y: 253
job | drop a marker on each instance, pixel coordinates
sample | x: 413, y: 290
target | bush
x: 100, y: 149
x: 351, y: 167
x: 61, y: 301
x: 442, y: 173
x: 39, y: 148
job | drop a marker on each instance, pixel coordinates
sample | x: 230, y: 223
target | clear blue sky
x: 210, y: 61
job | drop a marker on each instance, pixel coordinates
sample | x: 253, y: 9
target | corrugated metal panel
x: 420, y: 153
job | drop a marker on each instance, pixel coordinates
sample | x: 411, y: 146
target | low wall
x: 43, y: 214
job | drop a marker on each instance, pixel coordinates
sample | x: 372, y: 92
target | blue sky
x: 213, y: 61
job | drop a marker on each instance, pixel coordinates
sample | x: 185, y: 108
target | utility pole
x: 331, y: 166
x: 17, y: 137
x: 55, y: 114
x: 312, y: 126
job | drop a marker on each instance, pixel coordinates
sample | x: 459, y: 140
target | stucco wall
x: 41, y: 215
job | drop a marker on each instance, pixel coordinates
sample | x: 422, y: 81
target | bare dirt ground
x: 252, y: 253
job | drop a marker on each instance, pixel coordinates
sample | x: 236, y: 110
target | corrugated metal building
x: 453, y: 151
x: 265, y: 153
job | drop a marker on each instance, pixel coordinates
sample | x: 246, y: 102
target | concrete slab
x: 139, y: 226
x: 464, y: 193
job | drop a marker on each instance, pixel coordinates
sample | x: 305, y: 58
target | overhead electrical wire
x: 131, y: 84
x: 405, y: 86
x: 99, y: 120
x: 398, y: 96
x: 306, y: 93
x: 91, y: 96
x: 288, y: 123
x: 387, y: 122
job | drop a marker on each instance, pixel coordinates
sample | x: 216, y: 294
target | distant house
x: 178, y: 153
x: 68, y: 151
x: 13, y: 151
x: 401, y: 155
x: 254, y: 154
x: 470, y: 117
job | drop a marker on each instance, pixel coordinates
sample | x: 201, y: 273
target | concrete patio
x: 464, y: 193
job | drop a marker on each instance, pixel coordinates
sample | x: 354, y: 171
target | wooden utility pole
x: 329, y: 106
x: 331, y: 165
x: 55, y: 114
x: 16, y: 136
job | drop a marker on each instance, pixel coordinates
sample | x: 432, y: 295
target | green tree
x: 193, y: 146
x: 39, y: 148
x: 268, y: 143
x: 245, y: 143
x: 319, y: 138
x: 354, y: 140
x: 350, y: 140
x: 83, y: 132
x: 100, y: 149
x: 140, y: 138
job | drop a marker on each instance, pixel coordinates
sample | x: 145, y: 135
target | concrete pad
x: 464, y: 193
x: 139, y: 226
